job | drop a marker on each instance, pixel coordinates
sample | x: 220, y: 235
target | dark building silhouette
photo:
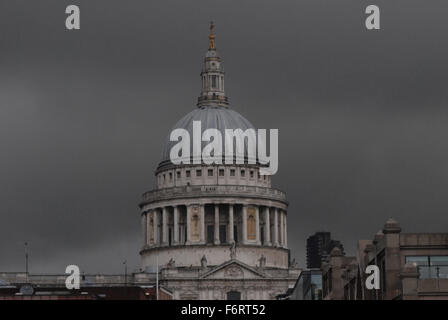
x: 318, y: 248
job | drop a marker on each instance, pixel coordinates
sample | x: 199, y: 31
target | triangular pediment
x: 233, y: 269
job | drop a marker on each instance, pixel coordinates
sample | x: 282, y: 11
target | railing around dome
x: 213, y: 190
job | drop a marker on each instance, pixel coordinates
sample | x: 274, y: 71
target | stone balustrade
x: 213, y: 190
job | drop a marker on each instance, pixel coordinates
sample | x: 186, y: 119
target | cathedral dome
x: 207, y: 216
x: 213, y: 110
x: 211, y: 117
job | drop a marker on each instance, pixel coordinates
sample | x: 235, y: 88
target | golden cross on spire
x: 211, y: 37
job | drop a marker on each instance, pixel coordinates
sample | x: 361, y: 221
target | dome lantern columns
x: 212, y: 76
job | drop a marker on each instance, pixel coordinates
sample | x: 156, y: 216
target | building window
x: 210, y: 172
x: 430, y: 267
x: 178, y: 174
x: 171, y: 176
x: 232, y: 172
x: 187, y: 173
x: 223, y: 233
x: 251, y: 173
x: 221, y: 172
x: 164, y: 178
x: 243, y: 173
x: 210, y: 233
x: 198, y: 173
x: 213, y: 81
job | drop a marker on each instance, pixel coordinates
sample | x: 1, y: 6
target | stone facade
x: 216, y: 231
x: 412, y: 266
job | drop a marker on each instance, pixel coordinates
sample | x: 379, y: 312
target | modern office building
x: 318, y: 248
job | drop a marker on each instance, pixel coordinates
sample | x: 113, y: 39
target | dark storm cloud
x: 83, y: 115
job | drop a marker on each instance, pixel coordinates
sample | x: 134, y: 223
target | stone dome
x: 211, y: 218
x: 211, y: 117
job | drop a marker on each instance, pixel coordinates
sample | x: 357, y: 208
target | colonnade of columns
x: 256, y: 225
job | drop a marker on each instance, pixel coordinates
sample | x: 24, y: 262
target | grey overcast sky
x: 362, y: 116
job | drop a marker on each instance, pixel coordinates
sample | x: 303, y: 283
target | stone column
x: 165, y: 226
x: 144, y: 228
x: 149, y: 231
x: 176, y: 225
x: 189, y: 208
x: 409, y: 278
x: 231, y: 227
x: 267, y: 227
x: 216, y: 224
x: 391, y: 240
x: 244, y: 240
x: 257, y: 225
x: 275, y: 227
x: 156, y: 227
x: 282, y: 229
x: 285, y: 229
x: 202, y: 214
x: 282, y: 235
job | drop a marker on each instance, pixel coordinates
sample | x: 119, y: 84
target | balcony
x: 213, y: 191
x: 433, y: 272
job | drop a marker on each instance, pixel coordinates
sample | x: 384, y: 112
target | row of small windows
x: 210, y: 173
